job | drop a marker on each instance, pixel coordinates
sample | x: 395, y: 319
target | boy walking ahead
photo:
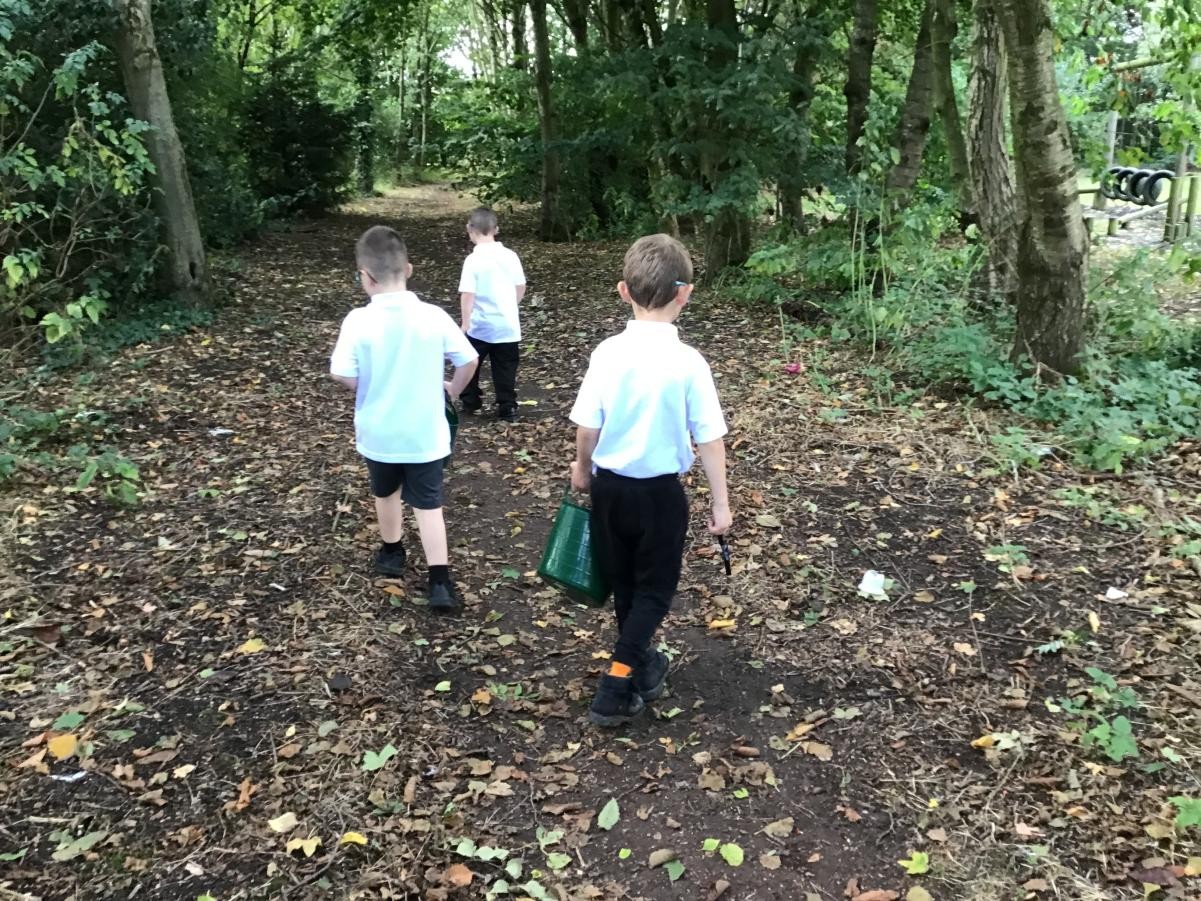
x: 645, y: 399
x: 391, y: 353
x: 490, y: 288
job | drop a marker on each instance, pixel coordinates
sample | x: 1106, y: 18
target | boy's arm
x: 461, y: 377
x: 466, y: 304
x: 343, y: 362
x: 713, y: 460
x: 581, y: 469
x: 351, y: 382
x: 520, y: 292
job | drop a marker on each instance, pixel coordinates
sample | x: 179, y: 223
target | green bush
x: 907, y: 293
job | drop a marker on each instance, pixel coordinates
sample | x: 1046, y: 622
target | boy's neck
x: 478, y: 239
x: 668, y: 314
x: 390, y: 288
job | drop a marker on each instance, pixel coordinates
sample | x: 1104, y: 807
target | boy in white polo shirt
x: 490, y: 288
x: 392, y: 354
x: 645, y: 399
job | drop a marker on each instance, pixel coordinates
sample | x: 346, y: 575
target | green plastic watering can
x: 452, y: 419
x: 569, y: 562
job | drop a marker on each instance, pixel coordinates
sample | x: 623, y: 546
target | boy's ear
x: 624, y: 290
x: 408, y: 271
x: 684, y: 294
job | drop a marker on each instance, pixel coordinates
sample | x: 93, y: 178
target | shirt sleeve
x: 467, y: 279
x: 455, y: 345
x: 705, y: 419
x: 588, y: 411
x: 344, y: 360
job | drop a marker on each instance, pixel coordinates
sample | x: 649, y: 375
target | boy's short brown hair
x: 483, y: 220
x: 655, y: 267
x: 381, y: 252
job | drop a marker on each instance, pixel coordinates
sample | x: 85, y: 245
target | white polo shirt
x: 492, y: 273
x: 396, y: 347
x: 651, y: 396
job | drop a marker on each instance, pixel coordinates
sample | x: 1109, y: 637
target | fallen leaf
x: 285, y: 822
x: 818, y: 749
x: 966, y: 649
x: 917, y: 893
x: 722, y: 624
x: 1094, y: 622
x: 769, y: 861
x: 251, y: 646
x: 768, y: 521
x: 308, y: 845
x: 916, y: 864
x: 937, y: 835
x: 609, y: 815
x: 877, y: 894
x: 352, y: 838
x: 780, y: 828
x: 63, y: 746
x: 458, y: 875
x: 660, y: 857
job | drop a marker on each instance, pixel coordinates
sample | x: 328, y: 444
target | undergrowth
x: 909, y: 298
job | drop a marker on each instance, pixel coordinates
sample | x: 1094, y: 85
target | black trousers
x: 505, y: 358
x: 638, y: 530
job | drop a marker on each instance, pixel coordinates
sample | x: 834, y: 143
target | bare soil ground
x: 210, y: 695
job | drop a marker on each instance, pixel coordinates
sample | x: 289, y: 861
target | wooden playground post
x: 1194, y: 195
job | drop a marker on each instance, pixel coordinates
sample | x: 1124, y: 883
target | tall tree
x: 817, y: 22
x: 186, y: 273
x: 1053, y: 244
x: 553, y: 227
x: 727, y: 232
x: 858, y: 88
x: 988, y: 157
x: 943, y: 29
x: 914, y: 124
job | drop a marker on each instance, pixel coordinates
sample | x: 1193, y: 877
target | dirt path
x: 229, y: 665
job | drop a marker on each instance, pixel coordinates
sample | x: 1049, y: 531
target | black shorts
x: 420, y: 484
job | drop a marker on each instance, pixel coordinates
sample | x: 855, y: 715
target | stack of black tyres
x: 1139, y: 186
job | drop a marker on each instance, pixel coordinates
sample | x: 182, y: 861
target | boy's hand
x: 581, y: 478
x: 448, y: 387
x: 720, y: 519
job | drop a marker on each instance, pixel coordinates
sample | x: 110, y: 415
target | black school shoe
x: 507, y: 414
x: 616, y: 702
x: 443, y: 598
x: 390, y: 563
x: 650, y: 679
x: 469, y: 407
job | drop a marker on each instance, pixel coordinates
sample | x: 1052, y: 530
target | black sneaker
x: 616, y: 702
x: 443, y: 598
x: 390, y: 563
x: 507, y: 414
x: 470, y: 406
x: 650, y: 679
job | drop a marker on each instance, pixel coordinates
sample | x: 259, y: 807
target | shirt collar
x: 656, y: 330
x: 393, y: 298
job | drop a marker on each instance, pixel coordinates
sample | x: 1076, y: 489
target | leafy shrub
x: 75, y: 222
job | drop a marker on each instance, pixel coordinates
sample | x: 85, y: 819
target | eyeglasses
x: 358, y: 277
x: 679, y: 284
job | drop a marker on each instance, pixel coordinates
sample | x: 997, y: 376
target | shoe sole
x: 389, y: 571
x: 612, y: 720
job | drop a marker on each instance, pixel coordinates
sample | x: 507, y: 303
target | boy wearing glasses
x: 645, y: 399
x: 490, y: 287
x: 392, y: 354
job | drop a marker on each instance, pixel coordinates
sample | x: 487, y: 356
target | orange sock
x: 620, y: 670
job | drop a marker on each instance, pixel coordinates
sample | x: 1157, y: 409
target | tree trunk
x: 575, y: 12
x: 1053, y: 244
x: 942, y: 33
x: 364, y: 123
x: 727, y: 232
x: 991, y: 175
x: 552, y: 226
x: 858, y: 88
x: 791, y: 180
x: 187, y: 270
x: 521, y: 50
x: 914, y: 124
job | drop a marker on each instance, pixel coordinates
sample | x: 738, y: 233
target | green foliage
x: 70, y: 446
x: 908, y: 293
x: 75, y: 227
x: 1111, y: 735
